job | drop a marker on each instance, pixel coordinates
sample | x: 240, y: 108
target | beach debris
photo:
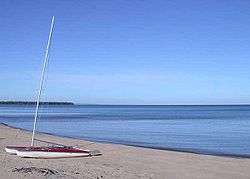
x: 33, y: 170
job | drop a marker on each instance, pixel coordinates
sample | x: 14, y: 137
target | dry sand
x: 117, y: 161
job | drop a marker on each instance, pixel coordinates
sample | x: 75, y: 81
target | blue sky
x: 127, y: 52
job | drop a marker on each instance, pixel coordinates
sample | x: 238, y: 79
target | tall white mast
x: 46, y: 58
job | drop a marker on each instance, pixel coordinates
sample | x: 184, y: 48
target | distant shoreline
x: 33, y: 103
x: 113, y: 105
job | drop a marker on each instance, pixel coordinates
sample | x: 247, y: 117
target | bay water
x: 215, y: 129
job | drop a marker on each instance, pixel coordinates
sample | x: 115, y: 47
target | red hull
x: 48, y: 149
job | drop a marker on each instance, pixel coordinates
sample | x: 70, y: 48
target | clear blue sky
x: 127, y: 51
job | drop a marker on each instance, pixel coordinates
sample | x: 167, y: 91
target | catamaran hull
x: 14, y: 149
x: 11, y: 151
x: 47, y: 155
x: 50, y: 152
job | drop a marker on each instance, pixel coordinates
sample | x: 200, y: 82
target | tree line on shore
x: 33, y: 103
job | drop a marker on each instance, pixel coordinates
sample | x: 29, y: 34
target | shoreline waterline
x: 216, y: 130
x: 116, y: 161
x: 191, y: 151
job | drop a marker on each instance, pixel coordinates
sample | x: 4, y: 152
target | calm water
x: 204, y: 129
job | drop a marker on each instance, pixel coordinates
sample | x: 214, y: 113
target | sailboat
x: 56, y: 151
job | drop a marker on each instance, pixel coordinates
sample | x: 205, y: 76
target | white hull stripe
x: 40, y: 154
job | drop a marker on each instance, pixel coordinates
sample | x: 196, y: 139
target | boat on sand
x: 50, y: 152
x: 55, y: 152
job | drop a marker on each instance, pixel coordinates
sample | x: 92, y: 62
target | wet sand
x: 117, y: 161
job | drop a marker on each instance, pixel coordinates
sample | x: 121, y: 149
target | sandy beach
x: 117, y: 161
